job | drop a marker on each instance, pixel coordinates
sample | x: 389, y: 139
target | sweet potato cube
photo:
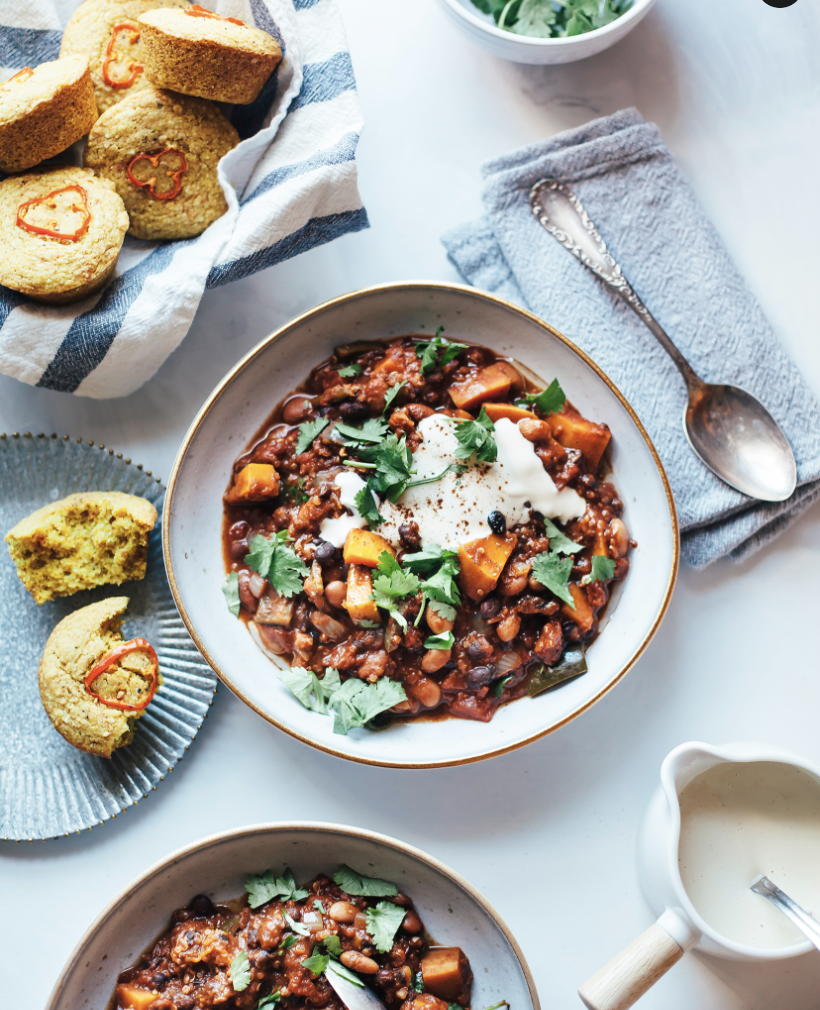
x: 576, y: 432
x: 491, y: 383
x: 363, y: 548
x: 515, y: 414
x: 359, y: 590
x: 446, y: 972
x: 255, y: 482
x: 129, y: 997
x: 482, y: 561
x: 583, y: 614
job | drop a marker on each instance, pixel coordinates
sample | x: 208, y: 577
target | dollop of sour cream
x: 453, y: 511
x: 335, y: 530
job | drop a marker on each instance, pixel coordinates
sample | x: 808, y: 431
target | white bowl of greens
x: 546, y: 31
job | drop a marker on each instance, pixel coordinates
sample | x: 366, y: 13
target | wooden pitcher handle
x: 631, y: 973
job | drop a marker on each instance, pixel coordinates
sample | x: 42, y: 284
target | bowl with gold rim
x: 236, y: 412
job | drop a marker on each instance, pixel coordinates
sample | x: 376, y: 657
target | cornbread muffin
x: 89, y: 539
x: 78, y: 643
x: 43, y: 111
x: 199, y: 53
x: 61, y: 231
x: 107, y: 32
x: 161, y: 151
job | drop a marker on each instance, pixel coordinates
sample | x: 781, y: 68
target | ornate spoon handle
x: 560, y: 211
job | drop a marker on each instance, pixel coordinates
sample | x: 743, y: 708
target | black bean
x: 490, y: 607
x: 409, y: 535
x: 479, y: 676
x: 353, y: 410
x: 159, y: 980
x: 325, y: 552
x: 201, y: 905
x: 480, y: 649
x: 184, y: 1002
x: 239, y: 548
x: 498, y: 522
x: 239, y: 530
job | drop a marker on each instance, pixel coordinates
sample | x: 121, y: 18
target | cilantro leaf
x: 372, y: 431
x: 269, y: 1000
x: 316, y: 963
x: 354, y: 883
x: 305, y: 686
x: 475, y: 438
x: 394, y: 461
x: 550, y: 401
x: 287, y: 943
x: 418, y: 981
x: 287, y: 571
x: 240, y: 971
x: 333, y: 945
x: 266, y: 887
x: 444, y: 641
x: 436, y: 353
x: 383, y: 922
x: 498, y: 687
x: 340, y: 970
x: 307, y: 432
x: 353, y: 702
x: 560, y: 543
x: 603, y: 569
x: 391, y: 395
x: 367, y: 506
x: 535, y: 18
x: 441, y: 566
x: 349, y: 371
x: 230, y: 587
x: 444, y: 610
x: 392, y: 584
x: 297, y: 927
x: 553, y: 571
x: 261, y: 552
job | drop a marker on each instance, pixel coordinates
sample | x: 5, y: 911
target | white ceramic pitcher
x: 679, y: 927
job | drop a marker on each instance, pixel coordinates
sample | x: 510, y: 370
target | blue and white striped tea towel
x: 291, y: 184
x: 651, y: 220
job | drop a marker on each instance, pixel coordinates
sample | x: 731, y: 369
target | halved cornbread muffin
x: 61, y: 230
x: 108, y: 33
x: 97, y: 714
x: 43, y: 111
x: 89, y: 539
x: 161, y: 151
x: 196, y: 52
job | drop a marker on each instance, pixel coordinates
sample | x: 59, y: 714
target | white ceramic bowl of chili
x: 240, y: 404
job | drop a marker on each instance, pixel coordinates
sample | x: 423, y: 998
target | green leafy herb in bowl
x: 553, y: 19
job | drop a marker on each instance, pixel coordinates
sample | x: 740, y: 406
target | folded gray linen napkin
x: 653, y: 224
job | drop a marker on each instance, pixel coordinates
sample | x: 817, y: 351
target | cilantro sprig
x: 443, y: 641
x: 439, y: 568
x: 391, y: 585
x: 549, y: 401
x: 437, y: 353
x: 353, y: 703
x: 270, y: 1000
x: 476, y: 438
x: 274, y: 560
x: 367, y: 507
x: 240, y: 971
x: 307, y: 432
x: 560, y: 542
x: 553, y: 571
x: 383, y: 922
x: 603, y: 569
x: 545, y: 19
x: 267, y: 886
x: 230, y: 587
x: 391, y: 395
x: 358, y: 885
x: 349, y: 371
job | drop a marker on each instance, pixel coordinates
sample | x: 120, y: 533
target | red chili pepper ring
x: 51, y: 232
x: 114, y: 656
x: 153, y: 159
x: 112, y: 55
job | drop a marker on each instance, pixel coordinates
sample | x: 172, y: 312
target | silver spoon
x: 731, y: 430
x: 800, y: 917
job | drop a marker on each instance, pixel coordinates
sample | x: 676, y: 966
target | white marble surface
x: 735, y: 87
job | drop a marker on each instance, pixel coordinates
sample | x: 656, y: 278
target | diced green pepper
x: 573, y: 664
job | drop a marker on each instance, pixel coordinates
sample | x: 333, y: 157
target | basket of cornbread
x: 146, y: 83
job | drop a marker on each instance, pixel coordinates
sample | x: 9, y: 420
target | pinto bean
x: 550, y: 643
x: 434, y: 659
x: 343, y: 911
x: 514, y: 578
x: 335, y: 593
x: 618, y: 538
x: 508, y: 628
x: 535, y: 431
x: 428, y: 693
x: 418, y: 411
x: 436, y: 623
x: 246, y: 597
x: 358, y: 962
x: 296, y: 409
x: 411, y: 923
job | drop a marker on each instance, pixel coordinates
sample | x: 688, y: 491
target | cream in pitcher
x: 740, y: 820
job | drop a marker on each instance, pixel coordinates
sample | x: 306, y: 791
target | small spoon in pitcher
x: 731, y: 430
x: 806, y: 923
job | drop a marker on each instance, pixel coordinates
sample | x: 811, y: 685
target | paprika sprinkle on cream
x: 198, y: 11
x: 112, y: 658
x: 150, y: 183
x: 116, y: 53
x: 54, y: 212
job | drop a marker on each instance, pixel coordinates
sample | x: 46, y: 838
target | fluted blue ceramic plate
x: 47, y: 787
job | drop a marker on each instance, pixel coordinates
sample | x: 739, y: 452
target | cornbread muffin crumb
x: 61, y: 231
x: 89, y: 539
x: 72, y: 651
x: 43, y: 111
x: 107, y: 32
x: 161, y: 151
x: 198, y: 53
